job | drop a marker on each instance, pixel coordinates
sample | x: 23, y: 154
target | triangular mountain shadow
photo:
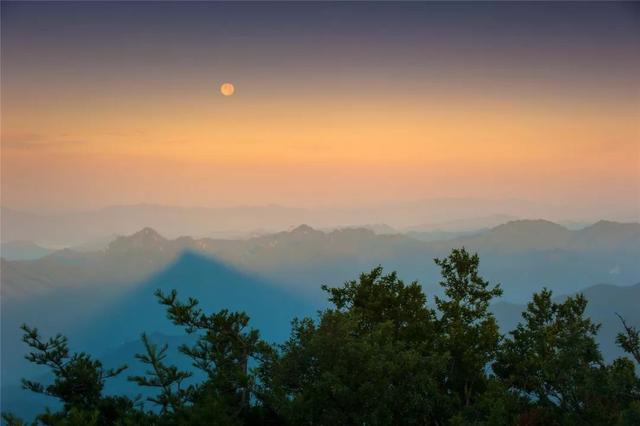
x: 112, y: 332
x: 215, y: 284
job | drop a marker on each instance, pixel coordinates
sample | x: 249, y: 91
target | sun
x: 227, y: 89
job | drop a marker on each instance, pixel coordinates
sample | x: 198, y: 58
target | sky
x: 335, y: 104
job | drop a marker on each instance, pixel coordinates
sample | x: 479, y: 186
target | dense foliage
x: 379, y: 356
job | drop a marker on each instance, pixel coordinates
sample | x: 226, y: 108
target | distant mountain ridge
x: 23, y: 250
x: 436, y: 214
x: 546, y: 235
x: 463, y: 225
x: 307, y: 256
x: 524, y: 234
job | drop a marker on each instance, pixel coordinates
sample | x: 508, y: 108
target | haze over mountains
x: 429, y: 215
x: 23, y: 250
x: 523, y: 254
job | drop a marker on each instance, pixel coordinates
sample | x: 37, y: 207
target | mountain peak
x: 608, y: 225
x: 526, y: 234
x: 148, y: 234
x: 530, y: 225
x: 609, y: 234
x: 144, y: 239
x: 303, y: 230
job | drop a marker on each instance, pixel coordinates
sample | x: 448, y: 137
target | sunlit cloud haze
x: 336, y: 104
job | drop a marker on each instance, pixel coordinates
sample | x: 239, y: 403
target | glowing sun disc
x: 227, y: 89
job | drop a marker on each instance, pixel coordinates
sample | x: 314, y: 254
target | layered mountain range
x: 427, y: 218
x: 103, y: 299
x: 523, y: 254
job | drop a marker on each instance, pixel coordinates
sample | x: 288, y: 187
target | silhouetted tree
x: 468, y: 331
x: 78, y: 382
x: 553, y: 357
x: 629, y: 340
x: 224, y: 349
x: 370, y: 359
x: 168, y: 379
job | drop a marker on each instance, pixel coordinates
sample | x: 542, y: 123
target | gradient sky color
x: 335, y: 103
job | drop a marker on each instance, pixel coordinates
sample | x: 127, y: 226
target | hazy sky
x: 335, y: 103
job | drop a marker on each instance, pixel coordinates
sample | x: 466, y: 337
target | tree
x: 629, y: 340
x: 224, y: 350
x: 376, y: 298
x: 468, y: 330
x: 168, y: 379
x: 78, y: 381
x: 368, y: 360
x: 553, y: 357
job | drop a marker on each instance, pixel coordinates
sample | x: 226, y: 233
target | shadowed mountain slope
x: 100, y: 321
x: 100, y: 318
x: 215, y: 284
